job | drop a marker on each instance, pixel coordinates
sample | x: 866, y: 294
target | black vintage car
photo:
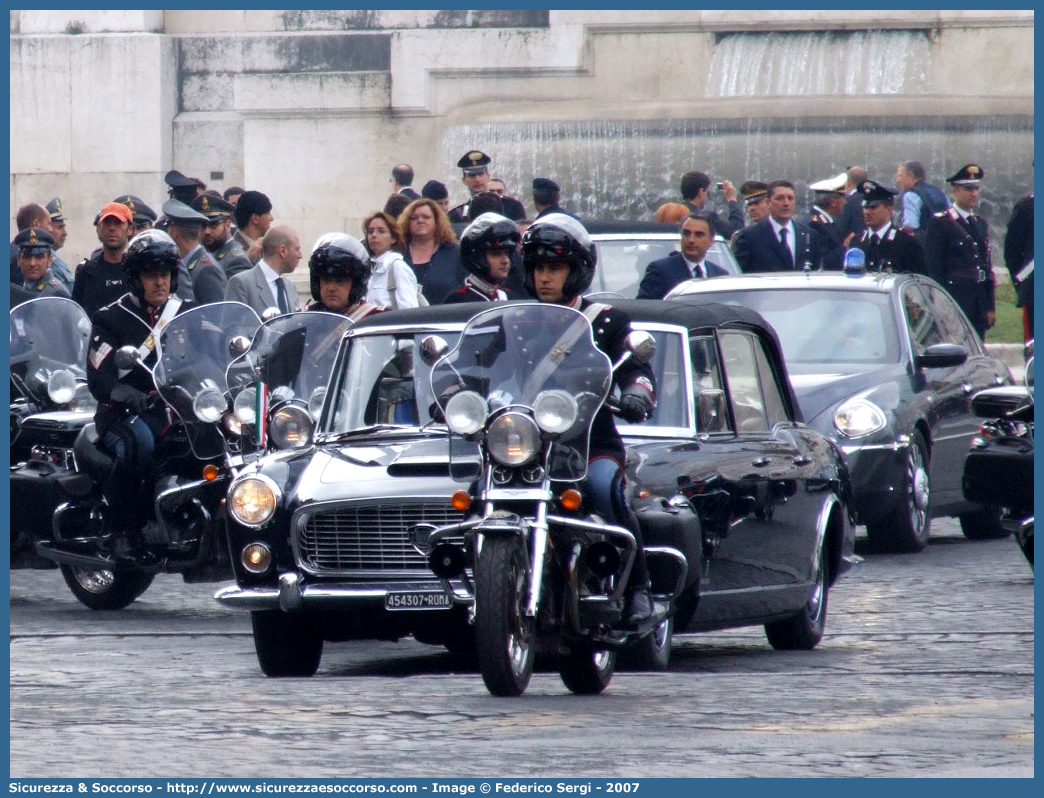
x: 886, y: 366
x: 329, y: 540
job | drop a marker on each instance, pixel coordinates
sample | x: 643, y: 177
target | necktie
x: 783, y: 241
x: 281, y: 297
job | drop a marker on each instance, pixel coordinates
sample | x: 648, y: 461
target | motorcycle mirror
x: 270, y: 313
x: 432, y: 348
x: 642, y: 345
x: 238, y: 345
x: 1029, y: 376
x: 126, y: 357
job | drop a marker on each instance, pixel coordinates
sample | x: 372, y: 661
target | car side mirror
x: 432, y: 348
x: 238, y: 345
x: 127, y: 357
x: 710, y: 410
x: 940, y: 356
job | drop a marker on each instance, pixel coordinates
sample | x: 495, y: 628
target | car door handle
x: 761, y: 462
x: 801, y: 460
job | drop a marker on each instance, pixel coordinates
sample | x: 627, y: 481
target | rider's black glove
x: 130, y: 397
x: 636, y: 402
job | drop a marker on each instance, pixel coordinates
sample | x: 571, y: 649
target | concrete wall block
x: 88, y: 21
x: 328, y: 19
x: 211, y: 91
x: 320, y: 52
x: 206, y: 143
x: 41, y: 104
x: 990, y: 76
x: 334, y: 91
x: 650, y: 66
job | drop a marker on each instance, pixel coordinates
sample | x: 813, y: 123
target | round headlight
x: 315, y: 402
x: 83, y: 401
x: 555, y: 411
x: 858, y: 417
x: 466, y: 412
x: 513, y: 439
x: 256, y: 557
x: 209, y: 405
x: 245, y: 406
x: 233, y: 426
x: 290, y: 427
x: 61, y: 387
x: 253, y: 500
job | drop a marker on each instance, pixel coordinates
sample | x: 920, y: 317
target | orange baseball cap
x: 119, y: 210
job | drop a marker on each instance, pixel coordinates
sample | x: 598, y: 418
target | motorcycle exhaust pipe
x: 602, y: 558
x: 447, y: 560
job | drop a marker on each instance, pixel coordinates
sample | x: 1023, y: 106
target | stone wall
x: 314, y: 107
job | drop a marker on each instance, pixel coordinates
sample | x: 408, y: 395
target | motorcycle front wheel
x: 103, y: 589
x: 504, y: 634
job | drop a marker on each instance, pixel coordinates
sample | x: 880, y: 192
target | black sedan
x: 329, y: 540
x: 886, y: 366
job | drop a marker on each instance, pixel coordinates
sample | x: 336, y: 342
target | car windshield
x: 381, y: 381
x: 622, y: 260
x: 843, y: 331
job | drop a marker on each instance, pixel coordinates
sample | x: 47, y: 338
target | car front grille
x: 348, y: 539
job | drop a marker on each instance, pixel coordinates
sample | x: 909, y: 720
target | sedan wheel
x: 907, y: 527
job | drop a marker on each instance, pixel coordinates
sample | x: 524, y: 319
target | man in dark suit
x: 957, y: 250
x: 697, y: 235
x: 851, y: 224
x: 402, y: 181
x: 887, y: 247
x: 764, y: 248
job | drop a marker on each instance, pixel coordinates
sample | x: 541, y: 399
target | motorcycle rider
x: 485, y: 251
x: 339, y: 270
x: 128, y: 422
x: 559, y: 261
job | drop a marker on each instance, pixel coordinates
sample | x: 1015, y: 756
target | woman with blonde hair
x: 671, y: 213
x: 430, y: 248
x: 392, y: 283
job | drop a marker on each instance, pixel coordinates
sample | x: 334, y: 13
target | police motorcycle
x: 999, y: 467
x: 279, y: 384
x: 49, y: 339
x: 196, y: 456
x: 539, y: 569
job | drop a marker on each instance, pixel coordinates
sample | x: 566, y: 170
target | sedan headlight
x: 209, y: 405
x: 466, y: 412
x: 513, y: 439
x: 555, y: 411
x: 253, y: 500
x: 858, y: 417
x: 61, y: 386
x: 291, y: 427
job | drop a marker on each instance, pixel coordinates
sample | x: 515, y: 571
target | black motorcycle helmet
x: 489, y: 231
x: 339, y: 256
x: 150, y: 251
x: 562, y: 238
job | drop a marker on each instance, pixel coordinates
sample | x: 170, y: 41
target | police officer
x: 217, y: 234
x: 99, y: 279
x: 129, y: 421
x: 200, y: 278
x: 475, y: 166
x: 144, y: 216
x: 338, y: 273
x: 957, y: 250
x: 486, y: 248
x: 559, y: 260
x: 887, y: 248
x: 35, y: 258
x: 59, y: 267
x: 828, y: 205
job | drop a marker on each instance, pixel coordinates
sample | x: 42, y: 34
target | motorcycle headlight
x: 245, y: 406
x: 253, y: 500
x: 290, y: 427
x: 513, y: 439
x: 209, y: 405
x: 858, y: 417
x: 315, y: 402
x: 82, y: 401
x: 61, y: 387
x: 466, y: 412
x: 555, y: 411
x: 232, y: 424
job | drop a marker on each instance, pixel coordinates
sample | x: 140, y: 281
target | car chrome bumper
x: 294, y: 594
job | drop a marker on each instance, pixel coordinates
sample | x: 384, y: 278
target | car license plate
x: 417, y: 600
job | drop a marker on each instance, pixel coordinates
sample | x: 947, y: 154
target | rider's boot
x: 638, y: 607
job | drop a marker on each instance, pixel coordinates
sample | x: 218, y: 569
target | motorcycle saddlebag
x: 1001, y: 473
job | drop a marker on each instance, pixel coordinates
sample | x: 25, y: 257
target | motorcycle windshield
x: 514, y: 355
x: 48, y: 335
x: 190, y: 373
x: 292, y: 355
